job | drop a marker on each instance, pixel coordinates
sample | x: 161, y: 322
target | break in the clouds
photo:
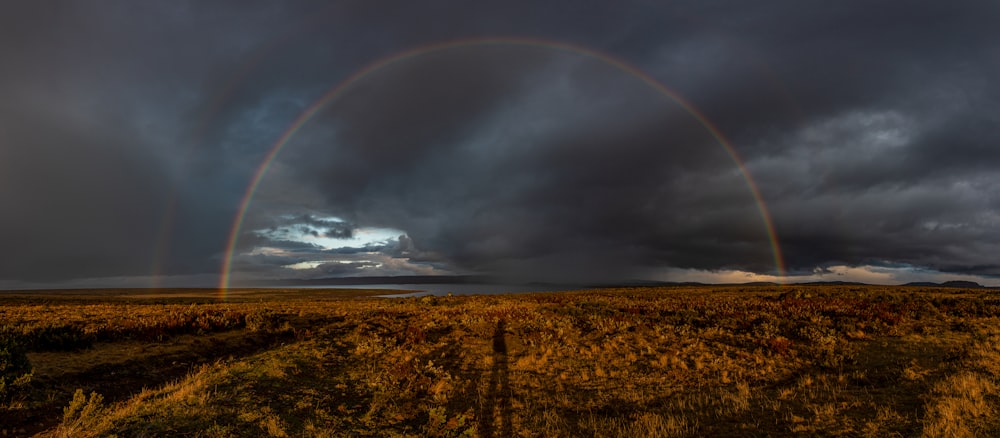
x: 130, y: 133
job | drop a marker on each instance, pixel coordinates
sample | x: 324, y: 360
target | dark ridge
x: 485, y: 279
x: 962, y: 284
x: 953, y: 283
x: 835, y: 283
x: 636, y: 283
x: 471, y: 279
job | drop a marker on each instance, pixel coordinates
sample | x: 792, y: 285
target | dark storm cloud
x: 129, y: 133
x: 95, y: 137
x: 596, y: 191
x: 905, y: 174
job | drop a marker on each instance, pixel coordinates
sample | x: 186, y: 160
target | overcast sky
x: 131, y: 130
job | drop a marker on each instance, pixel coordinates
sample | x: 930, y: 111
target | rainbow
x: 377, y: 65
x: 213, y: 108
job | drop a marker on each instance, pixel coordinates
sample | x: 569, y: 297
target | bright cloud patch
x: 304, y: 265
x: 310, y: 246
x: 328, y: 233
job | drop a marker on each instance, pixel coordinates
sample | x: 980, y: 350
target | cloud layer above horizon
x: 129, y: 134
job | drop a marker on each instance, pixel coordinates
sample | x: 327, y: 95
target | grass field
x: 679, y: 361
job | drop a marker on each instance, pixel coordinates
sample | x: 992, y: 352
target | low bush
x: 15, y: 370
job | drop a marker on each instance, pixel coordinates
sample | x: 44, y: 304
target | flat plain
x: 788, y: 360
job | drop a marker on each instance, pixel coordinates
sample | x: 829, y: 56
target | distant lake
x: 420, y: 290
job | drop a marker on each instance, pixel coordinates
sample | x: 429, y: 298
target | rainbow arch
x: 338, y: 89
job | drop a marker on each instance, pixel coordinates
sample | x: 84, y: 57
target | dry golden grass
x: 963, y: 404
x: 741, y: 361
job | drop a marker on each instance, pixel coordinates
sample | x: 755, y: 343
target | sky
x: 192, y: 143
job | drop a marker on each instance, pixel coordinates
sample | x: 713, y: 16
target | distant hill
x: 757, y: 283
x: 484, y: 279
x: 834, y: 283
x: 454, y: 279
x: 953, y: 283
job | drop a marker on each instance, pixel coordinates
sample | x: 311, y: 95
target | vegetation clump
x: 15, y: 370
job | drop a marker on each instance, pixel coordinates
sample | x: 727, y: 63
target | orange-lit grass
x: 849, y: 361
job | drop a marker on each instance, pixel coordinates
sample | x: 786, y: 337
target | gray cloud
x: 130, y: 132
